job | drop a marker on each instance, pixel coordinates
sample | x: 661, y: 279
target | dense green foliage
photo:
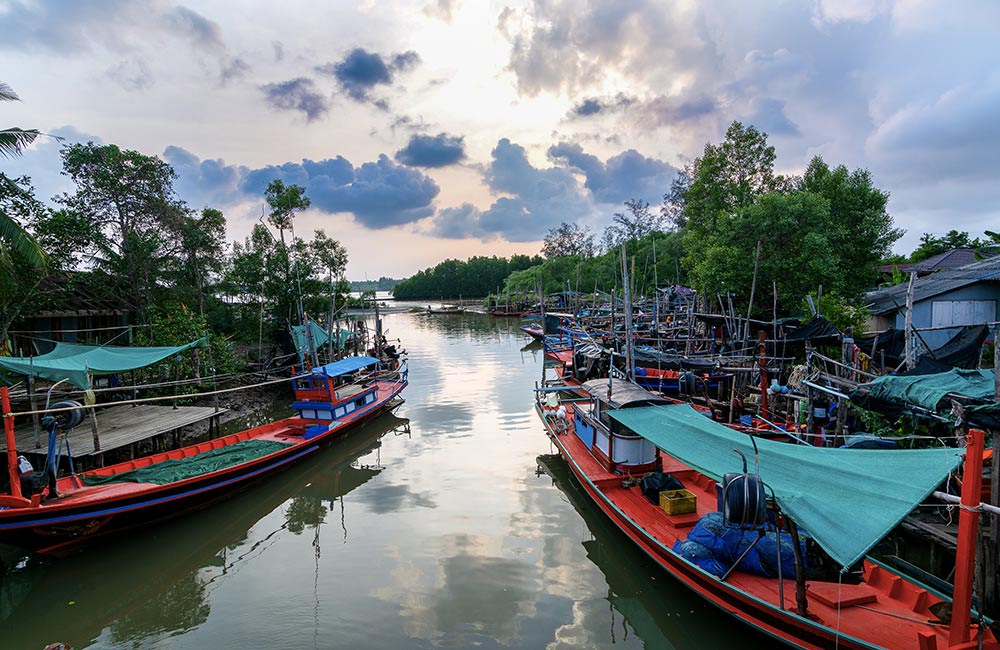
x: 931, y: 245
x: 828, y: 228
x: 382, y: 284
x: 474, y: 278
x: 603, y: 272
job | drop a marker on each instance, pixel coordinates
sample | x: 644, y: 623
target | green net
x: 171, y: 471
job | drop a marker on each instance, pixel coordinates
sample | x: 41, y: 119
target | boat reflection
x: 661, y: 612
x: 172, y: 568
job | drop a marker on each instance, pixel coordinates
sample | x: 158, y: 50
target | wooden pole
x: 763, y: 376
x: 36, y: 426
x: 908, y: 326
x: 991, y: 589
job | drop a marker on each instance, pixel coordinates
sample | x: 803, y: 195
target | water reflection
x: 643, y: 600
x: 158, y: 582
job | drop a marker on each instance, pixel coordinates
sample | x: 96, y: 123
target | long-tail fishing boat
x: 192, y: 549
x: 330, y: 401
x: 784, y: 547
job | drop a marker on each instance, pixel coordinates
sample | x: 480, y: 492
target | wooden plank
x: 121, y: 426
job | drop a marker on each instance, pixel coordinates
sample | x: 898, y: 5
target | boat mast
x: 629, y: 358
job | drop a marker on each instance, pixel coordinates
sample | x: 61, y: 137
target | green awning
x: 319, y: 335
x: 71, y: 361
x: 847, y: 499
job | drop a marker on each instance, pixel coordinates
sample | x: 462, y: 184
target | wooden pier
x: 125, y: 432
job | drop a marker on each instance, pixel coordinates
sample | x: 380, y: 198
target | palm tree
x: 22, y: 260
x: 13, y: 140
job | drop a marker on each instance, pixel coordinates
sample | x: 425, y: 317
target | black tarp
x: 888, y: 345
x: 961, y: 351
x: 818, y: 331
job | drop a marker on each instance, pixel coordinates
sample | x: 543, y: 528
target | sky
x: 450, y: 128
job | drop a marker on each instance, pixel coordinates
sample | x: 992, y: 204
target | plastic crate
x: 678, y: 502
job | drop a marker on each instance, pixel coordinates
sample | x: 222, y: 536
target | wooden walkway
x: 118, y: 427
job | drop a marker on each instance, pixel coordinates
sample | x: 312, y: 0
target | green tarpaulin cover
x: 319, y: 335
x: 847, y: 499
x: 931, y: 392
x: 170, y: 471
x: 71, y: 361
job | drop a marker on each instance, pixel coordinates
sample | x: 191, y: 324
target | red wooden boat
x: 331, y: 400
x: 619, y: 432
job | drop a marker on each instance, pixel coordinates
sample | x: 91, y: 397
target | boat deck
x: 884, y: 609
x: 118, y: 428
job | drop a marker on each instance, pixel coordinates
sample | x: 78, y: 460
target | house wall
x: 923, y: 311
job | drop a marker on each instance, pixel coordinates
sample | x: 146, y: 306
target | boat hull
x: 61, y: 525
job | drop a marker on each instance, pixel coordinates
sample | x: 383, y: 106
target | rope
x: 152, y: 399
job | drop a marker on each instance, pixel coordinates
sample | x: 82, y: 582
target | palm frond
x: 19, y: 245
x: 13, y: 141
x: 7, y: 93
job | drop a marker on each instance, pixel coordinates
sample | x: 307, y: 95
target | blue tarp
x: 346, y: 366
x: 848, y: 499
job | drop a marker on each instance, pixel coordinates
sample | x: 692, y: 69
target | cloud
x: 204, y: 183
x: 595, y: 105
x: 235, y: 69
x: 628, y: 175
x: 441, y: 9
x: 952, y: 136
x: 536, y: 200
x: 384, y: 194
x: 379, y: 194
x: 279, y: 51
x: 438, y: 150
x: 672, y: 111
x: 189, y: 24
x: 297, y: 95
x: 457, y: 223
x: 131, y: 74
x: 768, y: 115
x: 43, y: 164
x: 360, y: 71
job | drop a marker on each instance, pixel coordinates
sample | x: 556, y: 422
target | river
x: 431, y: 527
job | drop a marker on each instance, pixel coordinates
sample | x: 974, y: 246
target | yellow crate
x: 678, y: 502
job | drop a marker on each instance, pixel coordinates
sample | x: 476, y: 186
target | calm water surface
x: 435, y: 526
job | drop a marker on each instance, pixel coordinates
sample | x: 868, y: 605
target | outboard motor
x: 54, y: 423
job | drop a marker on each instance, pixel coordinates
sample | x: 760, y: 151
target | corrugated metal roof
x: 894, y: 298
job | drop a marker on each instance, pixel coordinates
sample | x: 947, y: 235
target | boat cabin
x: 615, y: 445
x: 335, y: 390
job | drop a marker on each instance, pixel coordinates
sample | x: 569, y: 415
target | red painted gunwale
x: 85, y: 513
x: 898, y: 618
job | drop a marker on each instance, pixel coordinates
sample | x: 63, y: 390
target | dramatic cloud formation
x: 379, y: 194
x: 604, y: 100
x: 297, y: 95
x: 361, y: 71
x: 438, y: 150
x: 539, y: 199
x: 628, y: 175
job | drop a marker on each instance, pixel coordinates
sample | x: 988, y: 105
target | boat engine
x: 63, y: 420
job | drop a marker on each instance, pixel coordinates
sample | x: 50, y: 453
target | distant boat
x: 331, y: 401
x: 629, y: 449
x: 445, y: 309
